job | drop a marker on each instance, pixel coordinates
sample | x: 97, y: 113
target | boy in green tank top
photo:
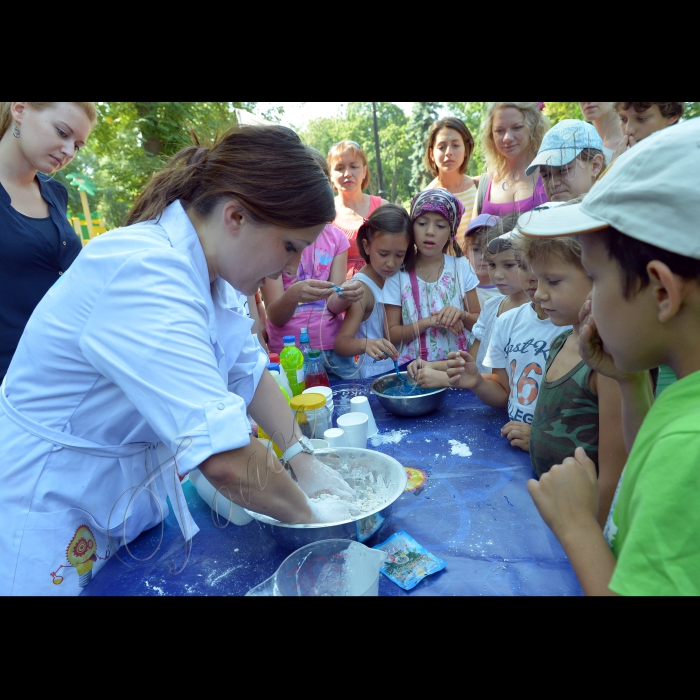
x: 577, y: 406
x: 642, y: 250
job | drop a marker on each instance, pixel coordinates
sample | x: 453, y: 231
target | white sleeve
x: 391, y: 293
x: 496, y: 356
x: 148, y: 333
x: 484, y: 319
x: 467, y: 276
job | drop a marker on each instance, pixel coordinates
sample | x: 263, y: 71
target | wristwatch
x: 302, y: 445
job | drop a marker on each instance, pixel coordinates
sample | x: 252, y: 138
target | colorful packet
x: 407, y: 563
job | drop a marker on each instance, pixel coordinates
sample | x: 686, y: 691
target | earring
x: 15, y: 131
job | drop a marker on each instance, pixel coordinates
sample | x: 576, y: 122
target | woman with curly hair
x: 511, y: 136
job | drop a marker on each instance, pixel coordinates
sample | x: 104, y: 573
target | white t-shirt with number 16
x: 520, y: 345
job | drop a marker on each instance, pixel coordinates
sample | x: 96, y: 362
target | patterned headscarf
x: 441, y: 202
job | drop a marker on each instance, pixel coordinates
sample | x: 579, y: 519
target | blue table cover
x: 473, y: 511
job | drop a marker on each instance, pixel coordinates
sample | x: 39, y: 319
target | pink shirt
x: 355, y: 260
x: 316, y: 261
x: 539, y: 196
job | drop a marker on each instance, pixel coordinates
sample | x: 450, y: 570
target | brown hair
x: 289, y: 189
x: 539, y: 250
x: 535, y: 121
x: 339, y: 148
x: 467, y: 139
x: 667, y: 109
x: 6, y: 113
x: 391, y: 220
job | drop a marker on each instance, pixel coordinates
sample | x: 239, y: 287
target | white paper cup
x: 335, y: 437
x: 360, y: 404
x: 319, y: 444
x: 355, y: 427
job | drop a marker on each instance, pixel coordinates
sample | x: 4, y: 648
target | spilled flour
x: 460, y: 449
x: 389, y: 438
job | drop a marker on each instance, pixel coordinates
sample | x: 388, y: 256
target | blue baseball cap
x: 564, y: 142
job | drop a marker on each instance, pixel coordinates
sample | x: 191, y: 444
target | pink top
x: 316, y: 261
x: 355, y: 261
x: 539, y: 196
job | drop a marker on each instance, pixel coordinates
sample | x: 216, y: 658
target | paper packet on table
x: 407, y: 563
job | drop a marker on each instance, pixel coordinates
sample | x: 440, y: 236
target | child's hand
x: 622, y: 147
x: 462, y: 370
x: 380, y: 349
x: 518, y: 434
x: 352, y: 291
x: 428, y: 378
x: 590, y: 346
x: 415, y: 366
x: 448, y: 316
x: 567, y: 495
x: 311, y: 290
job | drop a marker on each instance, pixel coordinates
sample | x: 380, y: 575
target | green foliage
x: 423, y: 116
x: 356, y: 124
x: 131, y: 140
x: 692, y: 110
x: 556, y: 111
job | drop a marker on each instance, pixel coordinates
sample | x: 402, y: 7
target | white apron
x: 82, y: 541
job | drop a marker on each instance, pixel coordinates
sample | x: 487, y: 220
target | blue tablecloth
x: 474, y: 511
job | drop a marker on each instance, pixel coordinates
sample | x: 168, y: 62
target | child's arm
x: 612, y: 454
x: 400, y: 334
x: 635, y: 389
x: 280, y: 305
x: 472, y: 308
x: 347, y: 345
x: 352, y: 289
x: 567, y: 498
x: 258, y: 323
x: 464, y: 374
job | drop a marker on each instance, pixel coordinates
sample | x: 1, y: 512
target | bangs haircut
x: 633, y: 256
x: 538, y: 251
x: 387, y: 220
x: 667, y: 109
x: 341, y: 147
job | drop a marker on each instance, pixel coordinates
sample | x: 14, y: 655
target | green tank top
x: 566, y: 415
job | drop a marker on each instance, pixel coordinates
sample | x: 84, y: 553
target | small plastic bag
x: 407, y: 563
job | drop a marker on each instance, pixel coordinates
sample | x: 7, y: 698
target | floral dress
x: 457, y: 278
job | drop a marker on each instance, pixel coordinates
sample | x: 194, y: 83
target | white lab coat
x: 132, y: 347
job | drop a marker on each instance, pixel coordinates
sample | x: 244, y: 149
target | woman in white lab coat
x: 139, y: 366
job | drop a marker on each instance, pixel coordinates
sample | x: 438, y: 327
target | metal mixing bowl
x: 295, y: 536
x: 418, y: 404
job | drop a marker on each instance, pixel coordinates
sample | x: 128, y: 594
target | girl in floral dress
x: 432, y: 305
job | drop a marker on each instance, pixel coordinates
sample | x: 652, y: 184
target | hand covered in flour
x: 315, y: 478
x: 328, y: 510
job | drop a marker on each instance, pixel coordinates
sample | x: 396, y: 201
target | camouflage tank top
x: 566, y: 416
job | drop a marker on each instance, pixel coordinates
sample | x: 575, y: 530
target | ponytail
x: 267, y: 169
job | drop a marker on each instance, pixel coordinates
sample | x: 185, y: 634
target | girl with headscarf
x: 431, y: 304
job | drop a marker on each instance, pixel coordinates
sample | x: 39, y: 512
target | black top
x: 34, y: 253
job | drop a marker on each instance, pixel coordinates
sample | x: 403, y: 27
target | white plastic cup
x: 335, y: 437
x: 319, y: 444
x: 360, y: 404
x: 355, y: 426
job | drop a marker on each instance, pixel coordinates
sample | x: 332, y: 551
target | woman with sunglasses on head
x: 347, y: 163
x: 37, y: 139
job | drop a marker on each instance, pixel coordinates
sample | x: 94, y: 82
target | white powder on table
x: 460, y: 449
x: 390, y: 438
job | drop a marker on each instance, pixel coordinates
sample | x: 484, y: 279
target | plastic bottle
x: 284, y: 388
x: 281, y: 379
x: 305, y: 346
x: 315, y: 373
x: 292, y: 362
x: 274, y: 358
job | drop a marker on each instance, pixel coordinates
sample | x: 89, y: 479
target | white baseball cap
x: 651, y: 194
x: 564, y: 142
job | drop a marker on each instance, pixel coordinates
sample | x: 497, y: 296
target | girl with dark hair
x: 385, y: 241
x: 139, y: 367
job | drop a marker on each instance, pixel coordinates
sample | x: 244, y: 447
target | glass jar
x: 312, y: 414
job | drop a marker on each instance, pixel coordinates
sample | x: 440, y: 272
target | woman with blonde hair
x: 511, y: 136
x: 347, y: 163
x: 37, y: 139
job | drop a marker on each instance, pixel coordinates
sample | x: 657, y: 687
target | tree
x: 423, y: 116
x: 131, y: 140
x: 354, y: 123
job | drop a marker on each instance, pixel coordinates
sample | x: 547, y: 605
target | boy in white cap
x: 570, y: 159
x: 642, y: 250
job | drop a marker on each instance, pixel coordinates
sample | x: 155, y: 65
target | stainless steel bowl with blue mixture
x: 403, y: 400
